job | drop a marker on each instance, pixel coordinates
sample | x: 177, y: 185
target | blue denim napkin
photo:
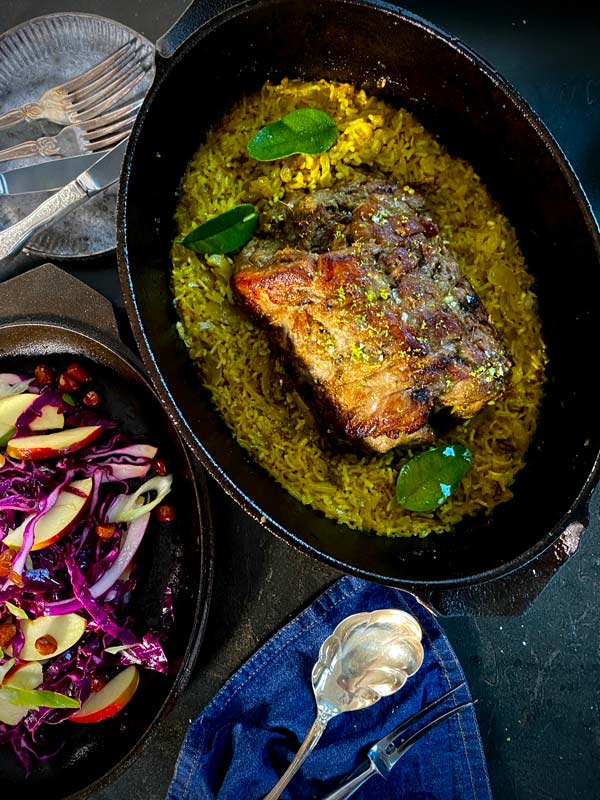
x: 245, y: 738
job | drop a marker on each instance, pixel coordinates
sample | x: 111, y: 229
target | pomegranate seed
x: 43, y: 374
x: 164, y: 513
x: 15, y: 578
x: 159, y: 466
x: 8, y: 631
x: 6, y: 559
x: 67, y: 384
x: 91, y: 399
x: 79, y: 373
x: 46, y: 645
x: 105, y: 531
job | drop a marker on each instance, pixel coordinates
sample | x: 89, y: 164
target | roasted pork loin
x: 357, y: 288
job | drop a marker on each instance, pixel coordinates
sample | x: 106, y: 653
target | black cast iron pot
x: 204, y: 64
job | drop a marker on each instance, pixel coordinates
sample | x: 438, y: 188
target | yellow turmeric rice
x: 249, y: 384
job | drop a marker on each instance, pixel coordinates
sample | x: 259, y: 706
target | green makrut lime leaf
x: 306, y: 130
x: 4, y: 440
x: 428, y: 479
x: 36, y: 698
x: 224, y: 233
x: 16, y: 611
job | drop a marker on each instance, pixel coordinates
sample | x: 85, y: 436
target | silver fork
x: 89, y: 136
x: 90, y: 93
x: 385, y: 754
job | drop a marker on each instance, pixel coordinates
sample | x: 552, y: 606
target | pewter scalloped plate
x: 35, y: 56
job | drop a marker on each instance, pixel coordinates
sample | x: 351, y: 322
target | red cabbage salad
x: 76, y: 499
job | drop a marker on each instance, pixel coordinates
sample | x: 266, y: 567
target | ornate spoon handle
x: 13, y: 238
x: 307, y: 746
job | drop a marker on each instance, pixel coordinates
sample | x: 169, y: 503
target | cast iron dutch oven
x: 210, y: 58
x: 47, y: 315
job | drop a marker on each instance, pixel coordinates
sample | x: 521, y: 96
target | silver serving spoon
x: 368, y: 656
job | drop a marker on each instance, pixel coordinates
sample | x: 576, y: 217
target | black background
x: 537, y: 675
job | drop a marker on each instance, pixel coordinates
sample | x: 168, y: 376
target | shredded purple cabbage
x: 59, y: 578
x: 148, y: 653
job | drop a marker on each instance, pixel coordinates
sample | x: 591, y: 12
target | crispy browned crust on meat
x: 357, y: 288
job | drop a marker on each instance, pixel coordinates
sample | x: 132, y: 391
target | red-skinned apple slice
x: 66, y: 630
x: 21, y: 676
x: 57, y: 522
x: 110, y: 699
x: 51, y: 445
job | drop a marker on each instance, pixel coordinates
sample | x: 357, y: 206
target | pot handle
x: 51, y: 293
x: 512, y: 594
x: 196, y: 14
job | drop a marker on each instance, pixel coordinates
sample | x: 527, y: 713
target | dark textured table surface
x: 538, y: 674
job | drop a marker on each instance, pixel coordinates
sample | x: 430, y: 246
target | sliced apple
x: 110, y: 699
x: 66, y: 630
x: 49, y: 419
x: 11, y: 408
x: 57, y: 522
x: 51, y: 445
x: 22, y: 676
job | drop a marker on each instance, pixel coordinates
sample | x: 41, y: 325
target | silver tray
x: 34, y: 56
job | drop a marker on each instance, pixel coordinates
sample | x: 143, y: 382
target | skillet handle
x: 196, y: 14
x: 512, y: 594
x: 50, y: 292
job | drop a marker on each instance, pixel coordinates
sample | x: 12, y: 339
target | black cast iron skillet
x: 43, y: 318
x: 478, y: 116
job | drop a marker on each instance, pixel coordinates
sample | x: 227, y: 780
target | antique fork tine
x: 106, y: 87
x: 97, y: 137
x: 85, y: 137
x: 80, y: 82
x: 108, y: 102
x: 114, y: 116
x: 122, y: 66
x: 422, y: 712
x: 405, y: 745
x: 55, y: 103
